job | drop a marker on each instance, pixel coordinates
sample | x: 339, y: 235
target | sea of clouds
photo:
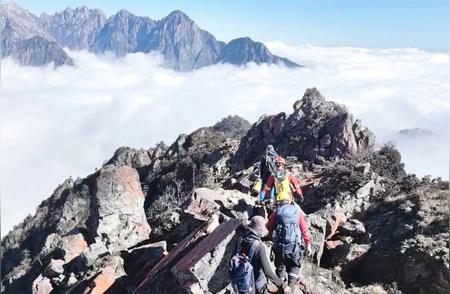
x: 67, y: 121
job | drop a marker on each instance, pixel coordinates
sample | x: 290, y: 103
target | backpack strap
x: 238, y: 246
x: 253, y: 248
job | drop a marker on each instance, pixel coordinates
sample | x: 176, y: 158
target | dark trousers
x: 288, y: 263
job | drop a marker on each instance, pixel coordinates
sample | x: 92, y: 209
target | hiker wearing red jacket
x: 291, y: 233
x: 286, y: 185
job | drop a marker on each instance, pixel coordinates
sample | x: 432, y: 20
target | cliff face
x: 165, y: 219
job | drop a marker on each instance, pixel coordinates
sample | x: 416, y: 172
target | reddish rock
x: 102, y: 282
x: 120, y: 204
x: 333, y: 244
x: 196, y: 264
x: 73, y: 245
x: 204, y: 263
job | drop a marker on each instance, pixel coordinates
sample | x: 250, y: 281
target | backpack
x: 257, y: 185
x: 288, y: 230
x: 283, y: 188
x: 241, y: 269
x: 269, y: 162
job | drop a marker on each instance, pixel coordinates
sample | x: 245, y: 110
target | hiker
x: 292, y: 235
x: 285, y: 184
x: 250, y: 252
x: 266, y: 168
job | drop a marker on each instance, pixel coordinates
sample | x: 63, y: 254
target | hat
x: 280, y: 160
x: 258, y: 223
x: 270, y: 148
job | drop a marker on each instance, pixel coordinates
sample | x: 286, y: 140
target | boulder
x: 367, y: 190
x: 363, y: 168
x: 314, y: 279
x: 131, y: 157
x: 73, y: 245
x: 102, y: 282
x: 55, y: 268
x: 120, y: 208
x: 344, y: 255
x: 72, y: 280
x: 230, y: 202
x: 198, y: 262
x: 317, y: 226
x: 355, y: 229
x: 90, y: 254
x: 111, y: 269
x: 42, y: 285
x: 244, y: 185
x: 207, y: 263
x: 142, y: 258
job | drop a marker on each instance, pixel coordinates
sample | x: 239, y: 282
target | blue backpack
x: 288, y: 230
x: 241, y: 269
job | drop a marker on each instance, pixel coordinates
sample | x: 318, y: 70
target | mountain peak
x: 177, y: 16
x: 184, y: 45
x: 178, y: 13
x: 123, y: 13
x: 12, y: 5
x: 243, y: 40
x: 14, y: 9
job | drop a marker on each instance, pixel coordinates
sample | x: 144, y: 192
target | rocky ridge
x: 164, y: 220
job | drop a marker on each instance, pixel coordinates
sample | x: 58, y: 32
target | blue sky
x: 420, y: 24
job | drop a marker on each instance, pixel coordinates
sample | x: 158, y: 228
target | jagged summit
x: 177, y: 15
x: 177, y: 37
x: 317, y: 130
x: 243, y: 50
x: 165, y: 219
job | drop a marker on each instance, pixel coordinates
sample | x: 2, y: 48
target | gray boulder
x: 42, y: 285
x: 55, y: 268
x: 121, y: 220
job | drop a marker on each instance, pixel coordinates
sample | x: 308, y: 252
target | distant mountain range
x: 36, y: 41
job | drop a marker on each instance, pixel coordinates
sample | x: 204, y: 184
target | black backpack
x: 269, y: 162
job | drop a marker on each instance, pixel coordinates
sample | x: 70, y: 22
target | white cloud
x: 66, y: 122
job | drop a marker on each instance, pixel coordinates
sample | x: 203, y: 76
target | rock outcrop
x: 82, y: 221
x: 165, y: 219
x: 317, y: 130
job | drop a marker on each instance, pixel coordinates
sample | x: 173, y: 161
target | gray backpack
x: 288, y: 230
